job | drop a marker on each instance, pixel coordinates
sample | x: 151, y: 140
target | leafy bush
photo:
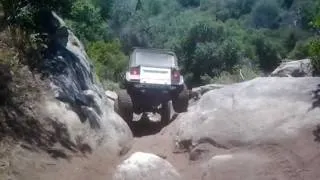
x: 267, y: 53
x: 265, y: 14
x: 300, y: 51
x: 314, y: 48
x: 108, y: 59
x: 189, y: 3
x: 86, y: 21
x: 27, y: 22
x: 238, y: 74
x: 315, y: 55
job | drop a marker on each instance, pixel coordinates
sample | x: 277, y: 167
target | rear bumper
x: 153, y: 88
x: 146, y: 96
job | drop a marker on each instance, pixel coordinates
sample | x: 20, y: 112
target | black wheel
x: 180, y: 101
x: 165, y: 113
x: 123, y: 106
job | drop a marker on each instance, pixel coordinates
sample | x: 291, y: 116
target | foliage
x: 27, y: 23
x: 315, y: 55
x: 314, y: 48
x: 109, y: 61
x: 267, y: 54
x: 238, y: 74
x: 189, y: 3
x: 212, y: 38
x: 24, y: 14
x: 265, y: 14
x: 86, y: 19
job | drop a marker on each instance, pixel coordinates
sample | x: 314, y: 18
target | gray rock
x: 196, y: 93
x: 300, y: 68
x: 111, y: 95
x: 257, y: 111
x: 82, y: 103
x: 145, y: 166
x: 242, y: 165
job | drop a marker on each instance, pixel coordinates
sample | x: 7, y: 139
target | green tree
x: 265, y: 14
x: 108, y: 59
x: 315, y: 45
x: 105, y: 7
x: 189, y: 3
x: 86, y: 21
x: 29, y: 26
x: 290, y: 41
x: 287, y: 3
x: 267, y: 54
x: 230, y: 53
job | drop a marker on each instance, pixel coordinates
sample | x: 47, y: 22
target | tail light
x: 175, y: 76
x: 135, y: 72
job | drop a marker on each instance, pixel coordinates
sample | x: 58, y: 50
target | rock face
x: 111, y: 95
x: 145, y: 166
x: 199, y: 91
x: 82, y: 104
x: 5, y: 79
x: 258, y: 111
x: 264, y: 129
x: 241, y: 165
x: 300, y: 68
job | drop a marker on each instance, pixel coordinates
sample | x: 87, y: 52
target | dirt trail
x: 151, y: 137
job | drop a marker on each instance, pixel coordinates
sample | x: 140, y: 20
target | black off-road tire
x: 123, y: 106
x: 165, y: 113
x: 180, y: 102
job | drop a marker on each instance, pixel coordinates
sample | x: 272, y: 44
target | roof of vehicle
x: 166, y: 51
x: 152, y: 50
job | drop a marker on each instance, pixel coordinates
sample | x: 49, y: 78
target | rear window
x: 146, y: 58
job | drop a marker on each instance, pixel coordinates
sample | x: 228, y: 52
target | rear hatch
x: 152, y: 75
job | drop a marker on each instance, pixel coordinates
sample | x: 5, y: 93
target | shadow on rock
x: 316, y: 134
x: 147, y: 127
x: 316, y: 98
x: 316, y: 104
x: 20, y: 123
x: 36, y: 134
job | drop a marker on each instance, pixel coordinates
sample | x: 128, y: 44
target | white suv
x: 152, y: 81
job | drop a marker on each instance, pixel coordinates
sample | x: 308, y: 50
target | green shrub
x: 268, y: 54
x: 108, y: 59
x: 239, y: 74
x: 315, y: 55
x: 189, y: 3
x: 300, y: 51
x: 265, y: 14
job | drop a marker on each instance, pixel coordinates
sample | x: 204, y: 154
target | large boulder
x: 145, y: 166
x: 197, y: 92
x: 80, y: 101
x: 299, y: 68
x: 252, y: 164
x: 265, y: 129
x: 258, y: 111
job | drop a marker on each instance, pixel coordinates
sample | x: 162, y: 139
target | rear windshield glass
x: 157, y: 59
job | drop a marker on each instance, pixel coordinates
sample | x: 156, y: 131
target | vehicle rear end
x: 153, y: 77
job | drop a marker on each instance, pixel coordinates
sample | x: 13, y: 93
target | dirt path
x: 150, y: 137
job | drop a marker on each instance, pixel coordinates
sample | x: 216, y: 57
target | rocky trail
x: 263, y: 129
x: 277, y: 140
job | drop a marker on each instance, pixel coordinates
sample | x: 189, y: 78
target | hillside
x: 58, y: 58
x: 214, y: 39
